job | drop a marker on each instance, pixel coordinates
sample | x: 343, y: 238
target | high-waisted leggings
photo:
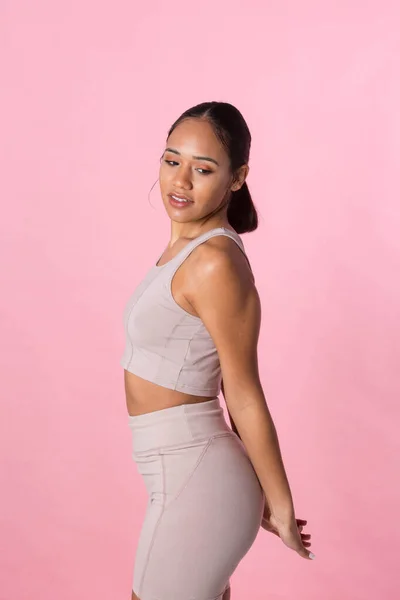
x: 205, y: 502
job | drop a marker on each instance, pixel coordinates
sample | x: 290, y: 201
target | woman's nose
x: 182, y: 178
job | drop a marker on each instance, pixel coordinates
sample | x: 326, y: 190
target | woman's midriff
x: 144, y: 396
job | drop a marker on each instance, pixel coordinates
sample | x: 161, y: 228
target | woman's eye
x: 173, y: 162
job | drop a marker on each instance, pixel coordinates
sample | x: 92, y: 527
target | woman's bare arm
x: 233, y: 425
x: 222, y: 291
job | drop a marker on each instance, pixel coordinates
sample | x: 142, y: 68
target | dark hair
x: 232, y: 130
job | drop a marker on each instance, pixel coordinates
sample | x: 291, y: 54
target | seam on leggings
x: 191, y: 474
x: 155, y: 528
x: 194, y: 441
x: 206, y: 447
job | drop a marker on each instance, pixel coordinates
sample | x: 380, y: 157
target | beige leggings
x: 205, y: 502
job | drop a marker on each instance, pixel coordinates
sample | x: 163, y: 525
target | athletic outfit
x: 205, y: 502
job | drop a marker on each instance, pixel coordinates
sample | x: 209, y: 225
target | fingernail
x: 311, y: 555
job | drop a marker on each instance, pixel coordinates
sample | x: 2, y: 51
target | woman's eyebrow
x: 195, y: 157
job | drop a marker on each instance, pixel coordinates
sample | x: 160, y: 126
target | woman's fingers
x: 304, y: 553
x: 305, y: 540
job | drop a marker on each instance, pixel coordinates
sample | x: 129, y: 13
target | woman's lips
x: 179, y: 201
x: 180, y: 196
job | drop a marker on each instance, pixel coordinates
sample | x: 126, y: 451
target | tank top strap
x: 175, y: 263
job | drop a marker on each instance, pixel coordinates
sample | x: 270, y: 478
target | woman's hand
x: 290, y: 533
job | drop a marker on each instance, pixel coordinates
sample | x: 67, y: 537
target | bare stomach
x: 143, y: 396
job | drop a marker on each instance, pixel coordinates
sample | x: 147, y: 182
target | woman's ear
x: 240, y: 177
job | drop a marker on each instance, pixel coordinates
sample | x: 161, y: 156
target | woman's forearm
x: 233, y: 426
x: 255, y: 427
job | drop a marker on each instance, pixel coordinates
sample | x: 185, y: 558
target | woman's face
x: 194, y: 165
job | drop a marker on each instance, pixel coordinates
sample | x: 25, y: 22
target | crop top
x: 164, y: 343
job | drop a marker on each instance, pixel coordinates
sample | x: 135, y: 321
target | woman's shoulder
x: 218, y: 258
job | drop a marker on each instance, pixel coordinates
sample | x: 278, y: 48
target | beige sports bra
x: 164, y: 343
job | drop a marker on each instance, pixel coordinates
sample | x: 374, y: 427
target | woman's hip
x: 213, y: 474
x: 192, y: 441
x: 203, y: 515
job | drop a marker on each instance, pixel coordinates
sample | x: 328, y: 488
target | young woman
x: 192, y: 327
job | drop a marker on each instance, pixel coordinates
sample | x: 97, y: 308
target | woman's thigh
x: 204, y: 513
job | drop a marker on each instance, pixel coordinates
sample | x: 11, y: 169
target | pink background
x: 89, y: 90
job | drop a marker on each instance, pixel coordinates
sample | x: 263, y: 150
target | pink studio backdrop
x: 89, y: 91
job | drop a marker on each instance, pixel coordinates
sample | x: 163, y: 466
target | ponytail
x: 242, y: 214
